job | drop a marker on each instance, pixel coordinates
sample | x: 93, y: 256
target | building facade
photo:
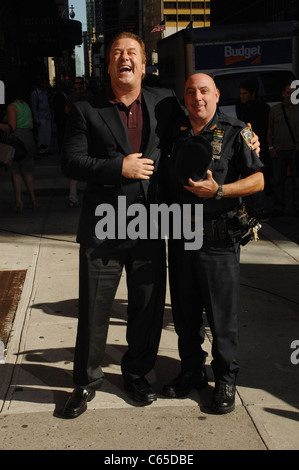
x: 93, y: 39
x: 258, y: 12
x: 177, y: 15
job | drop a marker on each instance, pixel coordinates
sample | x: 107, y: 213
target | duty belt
x: 216, y: 229
x: 233, y: 224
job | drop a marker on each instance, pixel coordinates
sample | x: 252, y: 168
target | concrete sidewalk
x: 37, y: 375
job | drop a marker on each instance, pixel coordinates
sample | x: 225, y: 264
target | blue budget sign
x: 243, y: 54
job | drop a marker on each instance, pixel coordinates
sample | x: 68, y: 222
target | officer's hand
x: 256, y: 146
x: 136, y: 167
x: 203, y: 188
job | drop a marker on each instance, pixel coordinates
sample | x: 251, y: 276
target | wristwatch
x: 219, y: 193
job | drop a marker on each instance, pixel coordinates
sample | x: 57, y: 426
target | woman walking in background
x: 19, y: 120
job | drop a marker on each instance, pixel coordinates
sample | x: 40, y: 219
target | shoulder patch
x: 246, y: 133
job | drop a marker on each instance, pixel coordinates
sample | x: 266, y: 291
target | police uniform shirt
x: 232, y: 159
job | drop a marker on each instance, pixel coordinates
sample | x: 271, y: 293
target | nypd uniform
x: 208, y: 280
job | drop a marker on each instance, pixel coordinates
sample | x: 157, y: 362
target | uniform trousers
x: 99, y: 275
x: 206, y: 280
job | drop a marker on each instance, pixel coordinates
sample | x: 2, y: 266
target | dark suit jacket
x: 95, y: 144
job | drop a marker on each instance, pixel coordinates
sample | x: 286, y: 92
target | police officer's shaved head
x: 201, y: 98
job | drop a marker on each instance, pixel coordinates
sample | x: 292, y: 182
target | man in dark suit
x: 114, y: 145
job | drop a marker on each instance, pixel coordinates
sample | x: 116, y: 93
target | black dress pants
x: 99, y: 276
x: 206, y: 279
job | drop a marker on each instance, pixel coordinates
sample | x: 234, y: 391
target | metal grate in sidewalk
x: 11, y: 285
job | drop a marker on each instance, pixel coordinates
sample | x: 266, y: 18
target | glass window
x: 270, y: 84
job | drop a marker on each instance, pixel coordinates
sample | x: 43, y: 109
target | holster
x: 241, y: 227
x: 236, y: 225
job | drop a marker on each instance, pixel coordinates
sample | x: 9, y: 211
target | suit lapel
x: 150, y: 102
x: 112, y: 119
x: 110, y: 115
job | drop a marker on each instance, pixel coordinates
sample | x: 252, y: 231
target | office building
x: 174, y: 16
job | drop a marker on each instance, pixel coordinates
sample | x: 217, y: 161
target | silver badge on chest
x: 217, y: 142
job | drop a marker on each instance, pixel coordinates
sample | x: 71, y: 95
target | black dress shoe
x: 77, y: 402
x: 184, y: 383
x: 224, y: 398
x: 141, y: 391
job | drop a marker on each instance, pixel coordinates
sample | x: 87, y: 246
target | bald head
x: 201, y: 98
x: 201, y: 78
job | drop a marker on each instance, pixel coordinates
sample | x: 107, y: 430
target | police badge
x: 246, y: 133
x: 217, y: 142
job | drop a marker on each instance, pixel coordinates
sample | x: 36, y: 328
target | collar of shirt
x: 133, y: 121
x: 113, y: 100
x: 210, y: 125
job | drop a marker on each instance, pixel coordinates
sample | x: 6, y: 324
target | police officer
x: 207, y: 279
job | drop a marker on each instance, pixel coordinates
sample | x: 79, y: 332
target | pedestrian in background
x: 79, y: 94
x: 19, y: 120
x: 59, y: 100
x: 42, y: 116
x: 253, y: 109
x: 283, y: 141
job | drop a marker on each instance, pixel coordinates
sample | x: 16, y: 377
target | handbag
x: 18, y: 145
x: 7, y: 151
